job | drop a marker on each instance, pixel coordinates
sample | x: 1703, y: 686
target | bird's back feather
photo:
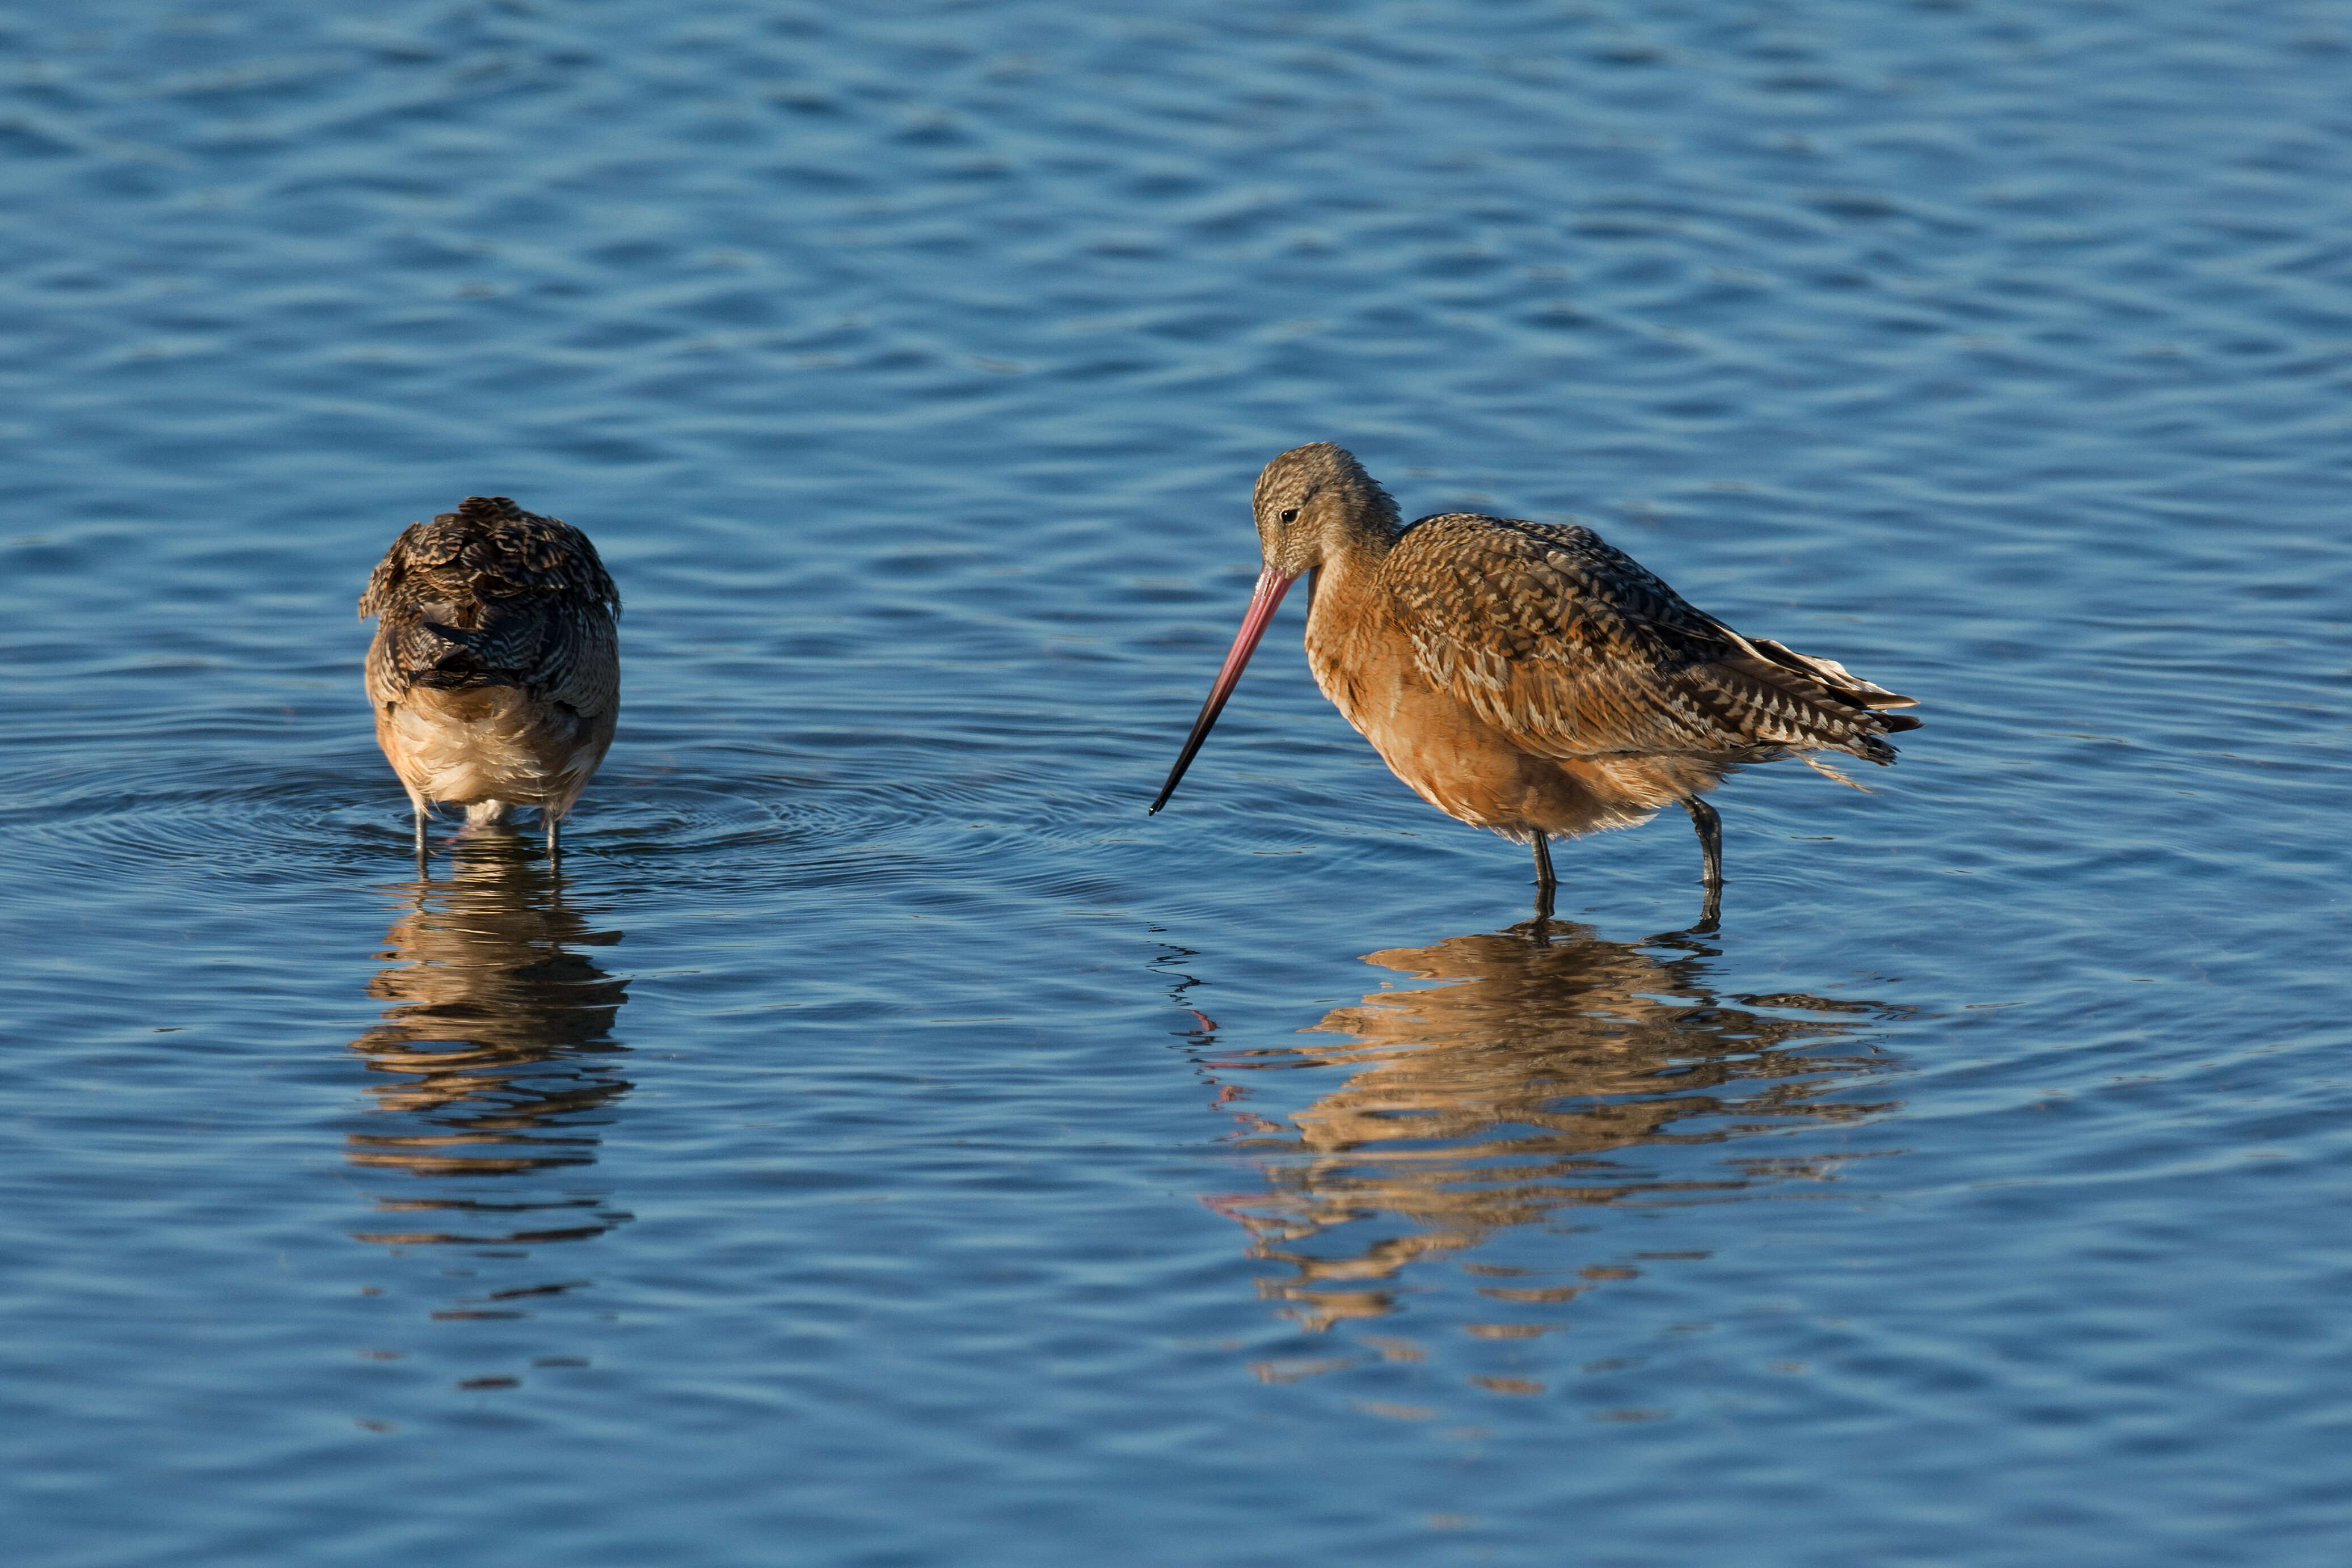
x: 493, y: 595
x: 1575, y: 650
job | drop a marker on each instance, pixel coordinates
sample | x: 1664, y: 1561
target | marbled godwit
x: 1525, y: 677
x: 495, y: 669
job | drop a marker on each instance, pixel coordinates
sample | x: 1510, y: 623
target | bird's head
x: 1312, y: 502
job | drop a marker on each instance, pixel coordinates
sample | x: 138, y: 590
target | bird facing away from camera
x: 1525, y: 677
x: 496, y: 670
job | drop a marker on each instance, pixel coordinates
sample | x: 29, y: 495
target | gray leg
x: 1545, y: 883
x: 420, y: 839
x: 1710, y: 838
x: 555, y: 836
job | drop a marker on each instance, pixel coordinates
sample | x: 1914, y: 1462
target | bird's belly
x: 494, y: 743
x: 1462, y: 766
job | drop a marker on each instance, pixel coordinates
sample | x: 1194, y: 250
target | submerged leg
x: 555, y: 836
x: 1710, y: 837
x: 1545, y: 883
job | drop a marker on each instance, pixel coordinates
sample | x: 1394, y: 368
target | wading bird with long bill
x: 1525, y: 677
x: 496, y: 669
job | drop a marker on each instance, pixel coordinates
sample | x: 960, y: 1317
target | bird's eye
x: 1290, y: 516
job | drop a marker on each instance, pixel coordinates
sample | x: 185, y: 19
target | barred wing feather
x: 1573, y: 650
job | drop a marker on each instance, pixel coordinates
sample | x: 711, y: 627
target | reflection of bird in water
x: 496, y: 670
x: 1534, y: 1081
x: 498, y: 1042
x: 1525, y: 675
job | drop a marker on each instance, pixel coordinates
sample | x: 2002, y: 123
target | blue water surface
x: 882, y: 1144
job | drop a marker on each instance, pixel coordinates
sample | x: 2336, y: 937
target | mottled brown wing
x: 525, y: 550
x: 563, y: 652
x: 579, y: 661
x: 1573, y: 650
x: 383, y: 588
x: 491, y: 594
x: 488, y: 548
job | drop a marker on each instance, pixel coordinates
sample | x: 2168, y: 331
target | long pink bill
x: 1263, y: 601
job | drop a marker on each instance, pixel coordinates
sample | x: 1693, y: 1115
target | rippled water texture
x: 883, y: 1145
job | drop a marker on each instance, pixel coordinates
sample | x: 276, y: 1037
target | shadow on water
x: 498, y: 1051
x: 1545, y: 1071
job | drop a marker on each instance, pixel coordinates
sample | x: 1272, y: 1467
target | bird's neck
x: 1359, y: 540
x: 1350, y: 564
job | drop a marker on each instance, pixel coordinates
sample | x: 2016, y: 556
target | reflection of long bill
x: 1265, y: 599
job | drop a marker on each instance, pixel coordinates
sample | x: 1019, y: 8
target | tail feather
x: 1840, y: 682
